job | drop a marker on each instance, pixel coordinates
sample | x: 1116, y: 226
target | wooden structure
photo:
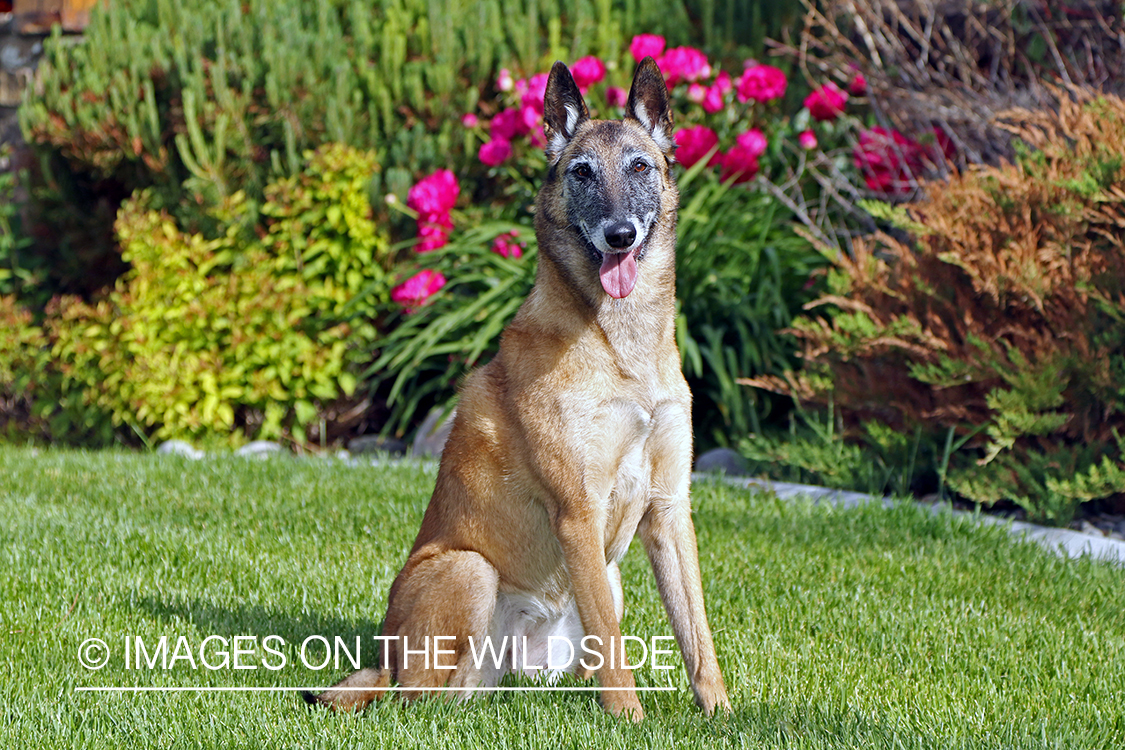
x: 38, y: 16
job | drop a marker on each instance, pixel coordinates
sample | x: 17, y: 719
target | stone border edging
x: 1071, y: 544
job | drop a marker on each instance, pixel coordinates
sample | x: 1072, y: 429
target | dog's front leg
x: 668, y: 535
x: 584, y: 554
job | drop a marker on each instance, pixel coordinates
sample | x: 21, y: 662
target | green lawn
x: 859, y: 628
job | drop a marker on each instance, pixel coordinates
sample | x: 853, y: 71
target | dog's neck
x: 637, y: 327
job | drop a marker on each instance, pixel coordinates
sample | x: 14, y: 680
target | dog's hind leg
x: 436, y: 604
x: 355, y: 692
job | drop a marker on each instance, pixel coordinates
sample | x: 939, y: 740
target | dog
x: 575, y: 438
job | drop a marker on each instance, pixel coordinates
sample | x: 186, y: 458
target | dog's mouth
x: 618, y: 273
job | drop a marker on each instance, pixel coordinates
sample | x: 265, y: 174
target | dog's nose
x: 620, y: 234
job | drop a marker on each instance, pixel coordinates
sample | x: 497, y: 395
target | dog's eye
x: 639, y: 166
x: 583, y: 171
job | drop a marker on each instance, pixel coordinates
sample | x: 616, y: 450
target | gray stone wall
x: 19, y: 55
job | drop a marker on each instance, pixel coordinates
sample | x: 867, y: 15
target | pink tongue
x: 619, y: 274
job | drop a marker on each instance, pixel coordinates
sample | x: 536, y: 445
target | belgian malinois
x: 576, y: 437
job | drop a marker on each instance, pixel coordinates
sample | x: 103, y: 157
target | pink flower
x: 694, y: 143
x: 762, y: 83
x: 433, y: 198
x: 504, y: 81
x: 858, y: 86
x: 506, y: 246
x: 470, y: 120
x: 683, y: 63
x: 807, y: 140
x: 740, y: 163
x: 531, y: 119
x: 495, y: 152
x: 697, y: 92
x: 508, y: 124
x: 646, y: 45
x: 587, y: 71
x: 827, y: 102
x: 434, y: 195
x: 888, y: 160
x: 417, y: 290
x: 753, y: 141
x: 945, y: 145
x: 616, y: 97
x: 712, y: 101
x: 432, y: 237
x: 536, y: 90
x: 713, y: 97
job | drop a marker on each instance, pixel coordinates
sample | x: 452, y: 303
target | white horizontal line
x: 396, y: 689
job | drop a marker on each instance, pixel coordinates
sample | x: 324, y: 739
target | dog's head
x: 609, y: 191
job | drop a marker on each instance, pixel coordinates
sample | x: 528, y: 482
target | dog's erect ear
x: 648, y: 105
x: 563, y: 110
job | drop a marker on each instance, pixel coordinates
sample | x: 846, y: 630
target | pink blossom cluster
x: 508, y: 246
x: 513, y: 122
x: 685, y: 65
x: 740, y: 162
x: 890, y: 162
x: 433, y: 197
x: 417, y: 290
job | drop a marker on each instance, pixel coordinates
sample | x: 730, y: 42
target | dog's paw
x: 623, y: 705
x: 713, y: 701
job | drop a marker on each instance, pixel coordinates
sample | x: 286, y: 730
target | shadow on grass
x: 208, y: 618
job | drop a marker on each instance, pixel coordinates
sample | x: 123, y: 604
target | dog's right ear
x: 563, y: 110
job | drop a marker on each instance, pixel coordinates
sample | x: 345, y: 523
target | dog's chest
x: 620, y: 460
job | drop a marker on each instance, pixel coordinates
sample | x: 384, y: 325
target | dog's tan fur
x: 576, y: 437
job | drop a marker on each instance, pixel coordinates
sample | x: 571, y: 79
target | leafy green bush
x: 219, y: 340
x: 23, y: 364
x: 200, y: 100
x: 742, y: 273
x: 999, y: 334
x: 429, y: 349
x: 19, y: 269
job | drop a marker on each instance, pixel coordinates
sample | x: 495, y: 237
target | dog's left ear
x: 563, y: 110
x: 648, y: 105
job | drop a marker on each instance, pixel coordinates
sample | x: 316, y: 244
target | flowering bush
x: 732, y: 121
x: 731, y: 131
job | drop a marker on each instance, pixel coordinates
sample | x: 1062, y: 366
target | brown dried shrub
x: 1004, y: 323
x: 956, y: 64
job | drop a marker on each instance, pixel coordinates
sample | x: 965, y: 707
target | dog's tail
x: 355, y: 692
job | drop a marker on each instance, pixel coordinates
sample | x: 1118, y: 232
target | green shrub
x: 429, y: 349
x: 23, y: 365
x: 1002, y: 330
x: 742, y: 274
x: 19, y: 270
x: 198, y: 101
x: 220, y: 340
